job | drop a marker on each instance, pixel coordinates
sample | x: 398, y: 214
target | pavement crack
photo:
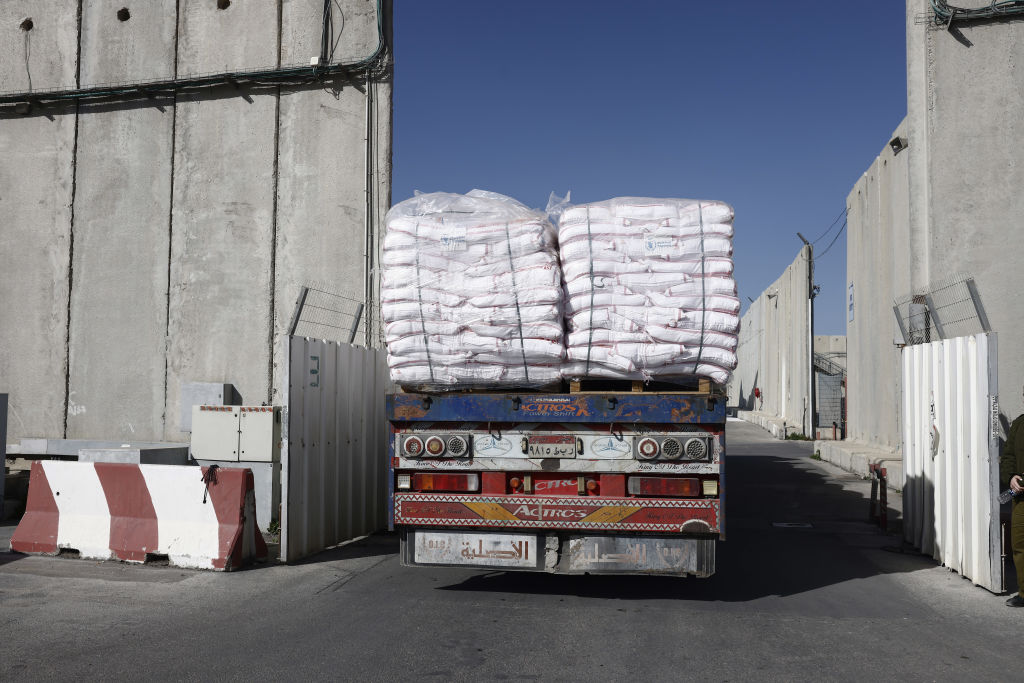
x: 336, y: 585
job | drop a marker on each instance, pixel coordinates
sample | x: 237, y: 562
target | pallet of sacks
x: 650, y: 293
x: 471, y: 293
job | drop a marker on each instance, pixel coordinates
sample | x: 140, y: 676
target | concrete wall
x: 151, y: 243
x: 36, y: 190
x: 948, y: 204
x: 772, y: 351
x: 833, y: 346
x: 965, y: 95
x: 877, y: 267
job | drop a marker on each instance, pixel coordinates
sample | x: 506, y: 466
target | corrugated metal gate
x: 950, y: 455
x: 333, y: 455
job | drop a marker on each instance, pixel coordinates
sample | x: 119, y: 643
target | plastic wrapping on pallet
x: 650, y: 289
x: 471, y: 293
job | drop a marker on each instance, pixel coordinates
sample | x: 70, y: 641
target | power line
x: 838, y: 234
x: 841, y: 214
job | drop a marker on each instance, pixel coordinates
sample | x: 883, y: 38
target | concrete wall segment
x: 122, y: 207
x: 354, y: 37
x: 139, y: 49
x: 221, y: 246
x: 877, y: 230
x: 36, y: 190
x: 44, y: 57
x: 772, y: 351
x: 244, y: 36
x: 173, y: 273
x: 35, y: 248
x: 119, y: 281
x: 975, y: 169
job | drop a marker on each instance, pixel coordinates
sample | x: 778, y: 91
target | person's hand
x: 1016, y: 484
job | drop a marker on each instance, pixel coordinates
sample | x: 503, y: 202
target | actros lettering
x: 575, y: 409
x: 542, y: 512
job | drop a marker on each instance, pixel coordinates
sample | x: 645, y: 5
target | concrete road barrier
x: 202, y: 518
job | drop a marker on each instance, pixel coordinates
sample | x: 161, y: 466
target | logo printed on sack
x: 658, y: 246
x: 452, y: 238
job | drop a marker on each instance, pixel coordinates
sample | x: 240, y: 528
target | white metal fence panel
x: 950, y: 455
x: 333, y: 455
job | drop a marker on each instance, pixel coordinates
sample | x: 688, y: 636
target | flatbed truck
x: 609, y: 482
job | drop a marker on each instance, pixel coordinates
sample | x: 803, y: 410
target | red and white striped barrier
x: 197, y: 518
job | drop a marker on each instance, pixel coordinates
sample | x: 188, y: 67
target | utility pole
x: 811, y: 398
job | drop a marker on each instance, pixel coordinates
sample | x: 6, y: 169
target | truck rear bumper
x: 585, y: 513
x: 560, y: 552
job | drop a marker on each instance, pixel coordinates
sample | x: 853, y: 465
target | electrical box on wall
x: 236, y: 433
x: 215, y: 432
x: 259, y: 434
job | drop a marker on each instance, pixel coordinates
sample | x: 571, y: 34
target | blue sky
x: 774, y: 107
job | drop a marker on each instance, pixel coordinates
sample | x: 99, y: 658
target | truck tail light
x: 647, y: 449
x: 457, y: 446
x: 404, y: 482
x: 710, y: 487
x: 696, y: 449
x: 434, y: 446
x: 446, y: 482
x: 664, y: 486
x: 412, y: 446
x: 671, y: 449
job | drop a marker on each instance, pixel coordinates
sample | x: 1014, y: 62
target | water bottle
x: 1008, y: 495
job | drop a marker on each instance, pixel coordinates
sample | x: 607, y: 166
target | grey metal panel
x: 950, y: 451
x: 71, y: 447
x: 334, y: 446
x: 137, y: 456
x: 3, y: 449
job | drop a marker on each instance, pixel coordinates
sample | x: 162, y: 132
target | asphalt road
x: 834, y: 600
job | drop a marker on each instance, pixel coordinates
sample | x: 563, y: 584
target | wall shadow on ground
x: 757, y: 559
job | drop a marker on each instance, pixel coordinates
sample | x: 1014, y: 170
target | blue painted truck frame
x: 624, y: 408
x: 609, y: 408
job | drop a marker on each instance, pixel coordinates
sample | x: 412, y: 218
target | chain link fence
x: 951, y: 308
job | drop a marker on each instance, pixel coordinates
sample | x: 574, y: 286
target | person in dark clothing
x: 1011, y: 465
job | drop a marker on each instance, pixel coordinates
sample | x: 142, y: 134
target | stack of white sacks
x: 471, y: 293
x: 650, y: 289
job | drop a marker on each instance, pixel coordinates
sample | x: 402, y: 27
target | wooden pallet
x: 698, y: 386
x: 603, y: 386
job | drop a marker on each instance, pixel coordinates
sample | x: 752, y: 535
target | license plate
x: 599, y: 554
x: 552, y: 446
x: 478, y: 549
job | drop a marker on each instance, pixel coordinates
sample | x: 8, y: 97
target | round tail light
x: 671, y: 449
x: 412, y: 446
x: 457, y: 446
x: 647, y: 449
x: 696, y: 449
x: 434, y: 446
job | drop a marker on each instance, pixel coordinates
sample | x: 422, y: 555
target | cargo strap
x: 703, y: 289
x: 590, y: 325
x: 515, y: 293
x: 419, y: 295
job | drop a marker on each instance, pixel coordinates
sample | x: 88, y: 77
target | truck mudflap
x: 559, y: 552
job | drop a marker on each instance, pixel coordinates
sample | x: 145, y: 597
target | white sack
x: 649, y: 287
x: 471, y: 293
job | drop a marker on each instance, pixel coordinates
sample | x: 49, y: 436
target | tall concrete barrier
x: 200, y: 518
x: 774, y: 355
